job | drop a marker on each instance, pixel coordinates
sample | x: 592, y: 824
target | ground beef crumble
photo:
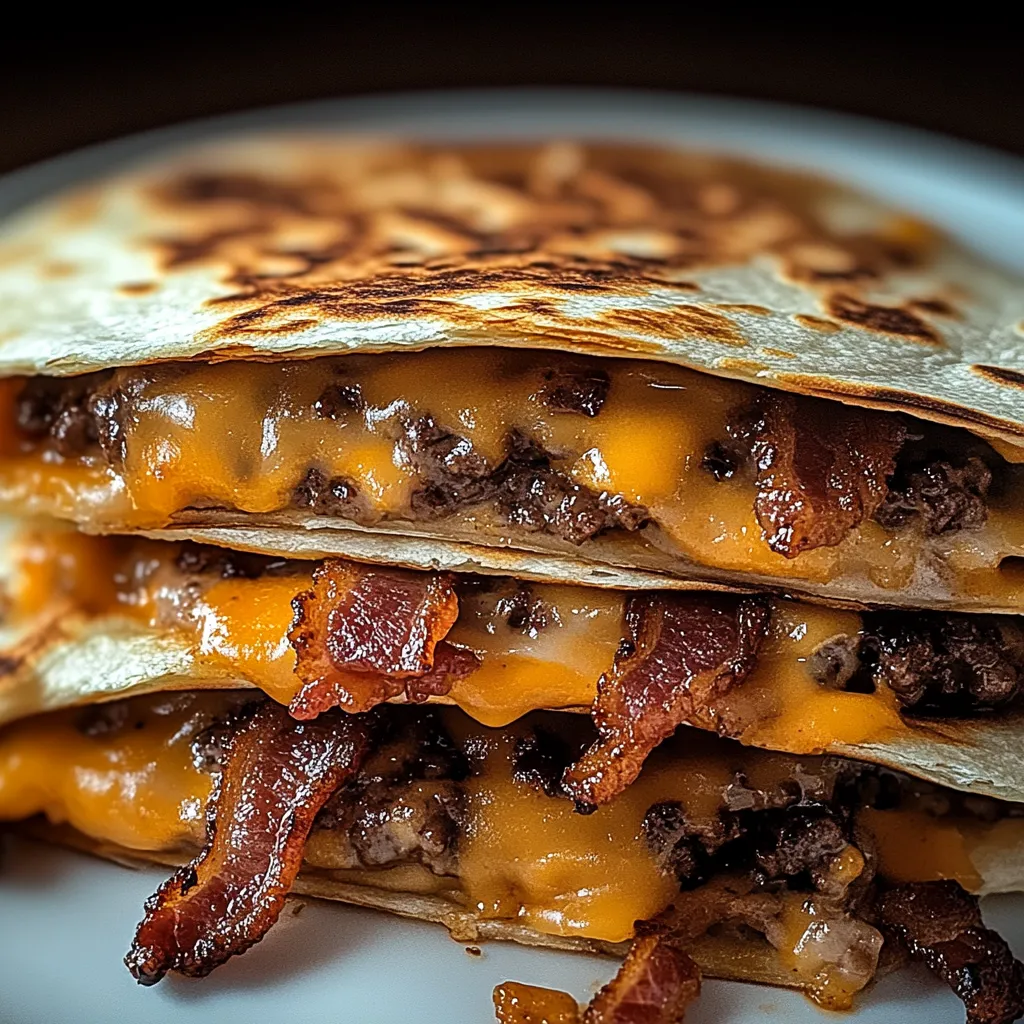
x: 934, y: 662
x: 405, y: 805
x: 59, y: 411
x: 526, y: 488
x: 938, y: 495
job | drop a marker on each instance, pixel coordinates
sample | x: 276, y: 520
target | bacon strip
x: 364, y: 635
x: 822, y: 469
x: 654, y: 985
x: 684, y: 650
x: 941, y: 924
x: 276, y: 776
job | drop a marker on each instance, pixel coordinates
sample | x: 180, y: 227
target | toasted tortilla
x: 71, y: 660
x: 614, y: 561
x: 719, y: 956
x: 285, y: 245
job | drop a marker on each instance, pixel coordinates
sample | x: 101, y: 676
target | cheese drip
x: 237, y: 629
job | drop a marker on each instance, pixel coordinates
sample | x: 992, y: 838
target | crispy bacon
x: 822, y: 468
x: 362, y: 690
x: 654, y: 985
x: 364, y: 635
x: 683, y: 650
x: 277, y: 774
x: 941, y: 924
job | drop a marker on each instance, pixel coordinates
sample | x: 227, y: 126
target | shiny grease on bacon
x: 365, y: 635
x: 275, y: 776
x: 822, y: 469
x: 682, y: 650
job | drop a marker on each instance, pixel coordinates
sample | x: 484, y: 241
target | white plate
x: 66, y: 921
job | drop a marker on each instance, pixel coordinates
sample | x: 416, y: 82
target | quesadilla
x: 808, y: 872
x: 935, y: 694
x: 820, y: 395
x: 691, y: 488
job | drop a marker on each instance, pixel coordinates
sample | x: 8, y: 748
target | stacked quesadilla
x: 595, y: 546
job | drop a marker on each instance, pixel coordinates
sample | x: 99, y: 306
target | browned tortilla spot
x: 1000, y: 375
x: 138, y: 287
x: 57, y: 269
x: 883, y: 319
x: 743, y: 307
x: 816, y: 323
x: 935, y: 305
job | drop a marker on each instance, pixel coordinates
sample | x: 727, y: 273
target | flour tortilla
x: 620, y: 561
x: 271, y: 247
x: 719, y: 956
x: 279, y: 245
x: 725, y: 957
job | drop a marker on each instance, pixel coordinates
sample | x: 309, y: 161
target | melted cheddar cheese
x: 523, y: 856
x: 237, y: 628
x: 136, y: 787
x: 242, y: 436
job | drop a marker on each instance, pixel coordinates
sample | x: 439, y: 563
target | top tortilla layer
x: 275, y: 246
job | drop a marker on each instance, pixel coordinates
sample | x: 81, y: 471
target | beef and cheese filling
x: 806, y: 857
x: 314, y: 635
x: 629, y: 462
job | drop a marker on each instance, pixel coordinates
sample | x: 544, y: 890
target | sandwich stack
x: 594, y: 546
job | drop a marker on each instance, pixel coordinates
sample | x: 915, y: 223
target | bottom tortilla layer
x: 765, y: 867
x: 728, y: 957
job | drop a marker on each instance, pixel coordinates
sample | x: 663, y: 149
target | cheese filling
x: 521, y: 855
x: 411, y: 439
x: 538, y: 645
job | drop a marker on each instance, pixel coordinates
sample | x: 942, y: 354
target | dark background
x: 66, y: 83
